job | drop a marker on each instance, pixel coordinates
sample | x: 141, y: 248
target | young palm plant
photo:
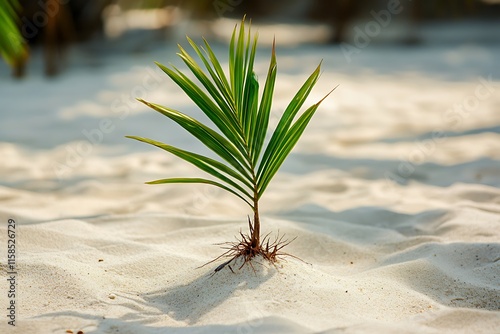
x: 245, y: 165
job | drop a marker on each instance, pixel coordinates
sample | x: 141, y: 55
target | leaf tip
x: 319, y: 65
x: 273, y: 49
x: 326, y: 95
x: 144, y: 102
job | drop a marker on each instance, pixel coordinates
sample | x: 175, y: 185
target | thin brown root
x: 242, y: 248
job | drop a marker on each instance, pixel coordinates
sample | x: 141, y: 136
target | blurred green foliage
x: 12, y: 45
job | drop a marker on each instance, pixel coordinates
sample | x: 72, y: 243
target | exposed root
x: 242, y: 248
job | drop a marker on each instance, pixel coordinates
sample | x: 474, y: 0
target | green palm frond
x: 240, y: 117
x: 12, y: 44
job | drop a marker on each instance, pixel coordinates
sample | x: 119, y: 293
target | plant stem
x: 256, y: 221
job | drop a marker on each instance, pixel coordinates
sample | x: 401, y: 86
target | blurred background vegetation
x: 53, y: 25
x: 13, y: 47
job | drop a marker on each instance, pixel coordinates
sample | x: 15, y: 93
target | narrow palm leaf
x: 216, y: 73
x: 239, y: 72
x: 287, y: 118
x: 199, y: 180
x: 207, y: 136
x: 204, y: 163
x: 251, y: 93
x: 216, y: 91
x: 227, y: 125
x: 285, y: 145
x: 262, y: 122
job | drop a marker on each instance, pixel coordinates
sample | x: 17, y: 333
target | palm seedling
x: 246, y: 161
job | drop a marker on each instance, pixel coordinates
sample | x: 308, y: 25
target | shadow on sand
x: 190, y: 301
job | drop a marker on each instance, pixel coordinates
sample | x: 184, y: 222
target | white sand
x: 99, y: 251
